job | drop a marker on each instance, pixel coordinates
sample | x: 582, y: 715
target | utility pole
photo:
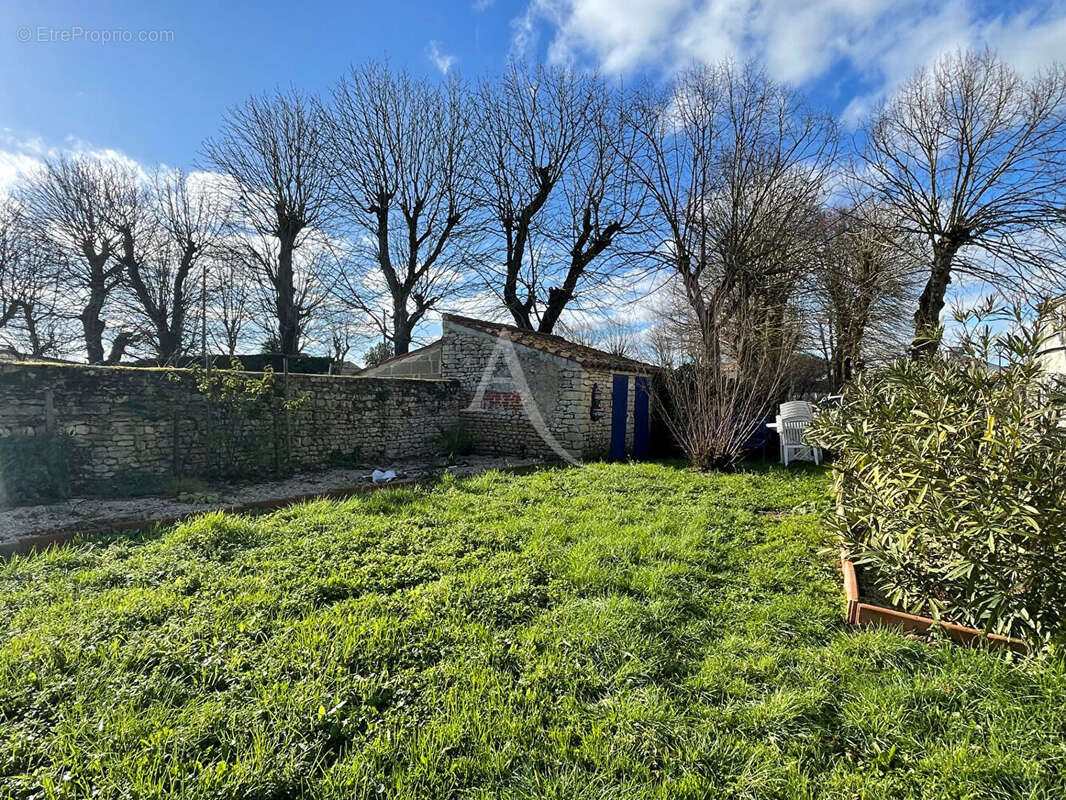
x: 203, y: 315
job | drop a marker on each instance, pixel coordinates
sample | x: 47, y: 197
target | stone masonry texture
x: 152, y: 421
x: 496, y: 411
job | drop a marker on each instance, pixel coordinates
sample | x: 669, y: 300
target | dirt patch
x: 43, y: 524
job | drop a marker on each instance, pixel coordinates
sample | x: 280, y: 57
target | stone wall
x: 598, y: 437
x: 153, y: 421
x: 498, y: 420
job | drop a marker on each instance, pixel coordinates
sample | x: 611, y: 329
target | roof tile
x: 550, y: 343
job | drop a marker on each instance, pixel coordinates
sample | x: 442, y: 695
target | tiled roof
x: 550, y: 343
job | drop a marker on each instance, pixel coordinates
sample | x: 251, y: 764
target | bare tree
x: 611, y: 335
x: 65, y: 204
x: 13, y: 253
x: 404, y: 151
x: 166, y: 226
x: 556, y: 150
x: 863, y: 285
x: 969, y: 156
x: 735, y: 166
x: 31, y: 313
x: 273, y: 151
x: 229, y: 300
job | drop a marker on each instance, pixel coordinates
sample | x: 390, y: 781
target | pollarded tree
x: 32, y: 318
x: 167, y: 229
x: 555, y: 180
x: 968, y: 154
x: 230, y: 300
x: 65, y: 204
x: 13, y: 254
x: 403, y: 152
x: 273, y: 152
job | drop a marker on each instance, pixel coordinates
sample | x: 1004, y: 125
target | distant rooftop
x: 550, y: 343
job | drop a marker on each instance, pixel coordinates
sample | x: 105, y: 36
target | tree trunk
x: 401, y: 329
x: 927, y: 318
x: 93, y: 329
x: 91, y: 323
x: 118, y: 348
x: 285, y: 297
x: 842, y: 369
x: 557, y: 300
x: 169, y: 344
x: 31, y: 330
x: 519, y: 309
x: 9, y: 313
x: 517, y: 239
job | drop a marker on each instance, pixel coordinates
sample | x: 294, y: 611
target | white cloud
x: 1028, y: 40
x: 620, y: 34
x: 20, y: 157
x: 524, y: 32
x: 15, y: 167
x: 441, y: 60
x: 799, y: 41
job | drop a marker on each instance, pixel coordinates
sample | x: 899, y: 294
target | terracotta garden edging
x: 863, y: 613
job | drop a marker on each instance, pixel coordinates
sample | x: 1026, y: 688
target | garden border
x: 862, y: 613
x: 37, y: 542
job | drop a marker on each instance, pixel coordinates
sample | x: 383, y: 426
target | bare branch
x: 403, y: 153
x: 273, y: 151
x: 969, y: 156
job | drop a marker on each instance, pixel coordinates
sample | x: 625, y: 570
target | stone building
x: 512, y: 392
x: 528, y: 393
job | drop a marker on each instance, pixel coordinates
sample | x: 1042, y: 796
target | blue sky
x: 64, y: 87
x: 156, y: 101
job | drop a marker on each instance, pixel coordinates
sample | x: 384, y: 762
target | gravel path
x: 34, y: 524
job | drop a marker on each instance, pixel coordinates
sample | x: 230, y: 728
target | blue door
x: 619, y: 402
x: 641, y: 418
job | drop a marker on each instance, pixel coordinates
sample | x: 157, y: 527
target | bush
x: 951, y: 479
x: 248, y: 423
x: 34, y: 468
x: 378, y: 354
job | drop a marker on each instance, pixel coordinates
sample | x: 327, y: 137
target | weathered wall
x: 421, y: 363
x: 153, y: 420
x: 500, y: 423
x: 598, y: 437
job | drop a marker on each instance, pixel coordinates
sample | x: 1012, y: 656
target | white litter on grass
x: 377, y: 476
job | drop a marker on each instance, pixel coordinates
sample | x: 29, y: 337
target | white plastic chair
x: 800, y: 409
x: 792, y: 431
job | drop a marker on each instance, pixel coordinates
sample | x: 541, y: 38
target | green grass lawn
x: 607, y: 632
